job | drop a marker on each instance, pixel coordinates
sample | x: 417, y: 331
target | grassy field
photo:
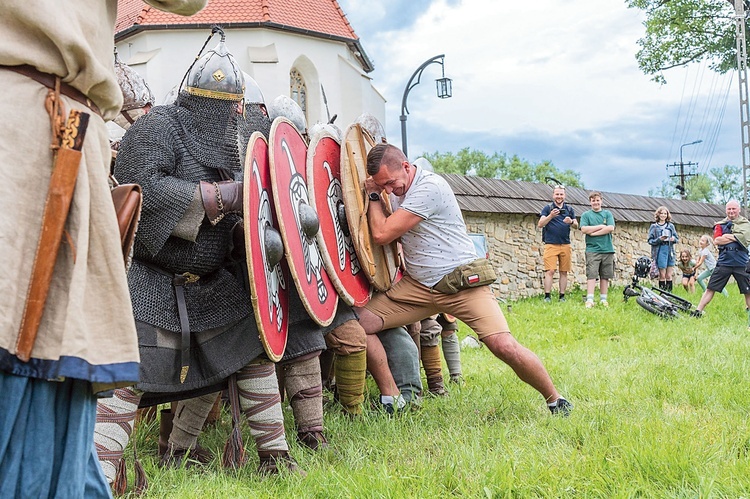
x: 661, y: 410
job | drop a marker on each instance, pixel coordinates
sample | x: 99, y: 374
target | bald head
x: 732, y: 209
x: 384, y: 154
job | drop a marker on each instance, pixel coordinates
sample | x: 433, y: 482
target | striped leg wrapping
x: 261, y: 403
x: 115, y: 417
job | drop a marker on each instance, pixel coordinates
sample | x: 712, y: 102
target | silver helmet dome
x: 216, y: 75
x: 289, y: 109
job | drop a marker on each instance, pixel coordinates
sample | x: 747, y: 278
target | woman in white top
x: 706, y: 257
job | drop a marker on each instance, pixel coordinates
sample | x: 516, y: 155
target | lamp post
x: 681, y: 187
x: 444, y: 90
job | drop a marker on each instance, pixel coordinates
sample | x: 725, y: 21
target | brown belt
x: 48, y: 80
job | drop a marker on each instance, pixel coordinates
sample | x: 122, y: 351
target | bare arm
x: 387, y: 228
x: 725, y: 239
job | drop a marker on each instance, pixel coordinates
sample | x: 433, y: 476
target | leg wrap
x: 433, y: 369
x: 430, y: 332
x: 261, y: 403
x: 302, y: 383
x: 350, y: 371
x: 348, y: 338
x: 452, y: 354
x: 115, y: 417
x: 188, y: 420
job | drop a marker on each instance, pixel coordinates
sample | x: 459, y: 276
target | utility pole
x: 682, y: 175
x: 739, y: 8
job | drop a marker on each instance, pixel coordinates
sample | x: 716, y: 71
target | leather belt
x: 48, y: 80
x: 179, y: 281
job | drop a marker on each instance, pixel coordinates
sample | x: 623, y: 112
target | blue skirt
x: 47, y: 439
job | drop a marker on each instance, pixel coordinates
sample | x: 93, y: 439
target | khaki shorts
x: 409, y: 301
x: 601, y: 265
x: 554, y: 253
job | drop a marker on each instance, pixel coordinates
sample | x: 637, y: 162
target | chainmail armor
x: 255, y: 121
x: 157, y: 152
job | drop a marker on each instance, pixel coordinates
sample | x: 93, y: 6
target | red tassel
x: 141, y: 481
x: 121, y: 479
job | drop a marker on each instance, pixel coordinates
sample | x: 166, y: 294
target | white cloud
x: 563, y: 72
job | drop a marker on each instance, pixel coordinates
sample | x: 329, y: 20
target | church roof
x: 317, y: 18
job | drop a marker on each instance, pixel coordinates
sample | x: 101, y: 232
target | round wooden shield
x: 334, y: 238
x: 380, y: 263
x: 269, y: 281
x: 298, y: 221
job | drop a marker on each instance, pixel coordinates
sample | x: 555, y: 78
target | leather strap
x: 48, y: 80
x: 179, y: 282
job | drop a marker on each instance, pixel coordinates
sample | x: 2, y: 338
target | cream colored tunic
x: 87, y: 329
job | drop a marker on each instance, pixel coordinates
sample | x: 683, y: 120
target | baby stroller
x: 655, y: 300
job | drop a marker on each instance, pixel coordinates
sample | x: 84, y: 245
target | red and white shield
x: 298, y: 221
x: 334, y: 238
x: 268, y: 274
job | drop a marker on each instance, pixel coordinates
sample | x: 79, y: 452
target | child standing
x: 687, y: 266
x: 706, y: 258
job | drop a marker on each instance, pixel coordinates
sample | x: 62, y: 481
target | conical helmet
x: 253, y: 94
x: 135, y: 91
x: 424, y: 164
x: 216, y: 75
x: 289, y: 109
x: 372, y: 125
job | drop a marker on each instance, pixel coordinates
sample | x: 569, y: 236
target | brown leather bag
x: 127, y: 199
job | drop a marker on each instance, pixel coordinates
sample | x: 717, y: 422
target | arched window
x: 298, y: 89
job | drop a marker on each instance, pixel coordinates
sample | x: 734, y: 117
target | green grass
x: 661, y: 410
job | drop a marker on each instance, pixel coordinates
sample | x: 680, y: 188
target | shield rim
x: 343, y: 292
x: 390, y: 258
x: 285, y: 235
x: 247, y: 177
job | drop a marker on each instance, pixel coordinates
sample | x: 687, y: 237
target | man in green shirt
x: 598, y: 226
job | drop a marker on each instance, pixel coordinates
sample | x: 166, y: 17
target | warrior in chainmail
x: 300, y: 367
x: 194, y: 320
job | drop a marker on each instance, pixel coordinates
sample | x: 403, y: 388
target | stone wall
x: 515, y: 246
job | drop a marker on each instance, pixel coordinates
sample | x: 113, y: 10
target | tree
x: 682, y: 31
x: 472, y: 162
x: 727, y: 183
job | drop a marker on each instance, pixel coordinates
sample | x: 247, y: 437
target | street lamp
x: 681, y: 187
x: 444, y: 90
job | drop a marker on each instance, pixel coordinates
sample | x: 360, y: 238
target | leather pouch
x: 471, y: 275
x: 127, y: 199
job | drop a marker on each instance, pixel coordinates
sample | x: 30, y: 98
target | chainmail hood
x: 209, y: 130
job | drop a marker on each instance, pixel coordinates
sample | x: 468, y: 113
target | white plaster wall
x: 349, y: 90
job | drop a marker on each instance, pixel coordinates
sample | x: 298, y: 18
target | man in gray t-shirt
x: 428, y: 222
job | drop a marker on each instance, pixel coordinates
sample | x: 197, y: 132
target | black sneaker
x: 561, y: 408
x: 696, y: 313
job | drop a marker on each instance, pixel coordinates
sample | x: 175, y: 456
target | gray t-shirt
x: 710, y: 261
x: 439, y: 243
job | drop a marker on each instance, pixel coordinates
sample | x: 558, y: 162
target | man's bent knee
x: 370, y: 322
x: 346, y: 339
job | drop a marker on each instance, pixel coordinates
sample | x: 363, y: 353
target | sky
x: 547, y: 80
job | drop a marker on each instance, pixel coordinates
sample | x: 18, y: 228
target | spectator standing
x: 555, y: 221
x: 662, y: 237
x: 732, y: 236
x: 707, y: 259
x: 598, y: 224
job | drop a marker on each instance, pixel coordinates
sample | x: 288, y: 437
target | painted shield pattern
x: 334, y: 238
x: 267, y: 270
x: 379, y: 263
x: 299, y: 222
